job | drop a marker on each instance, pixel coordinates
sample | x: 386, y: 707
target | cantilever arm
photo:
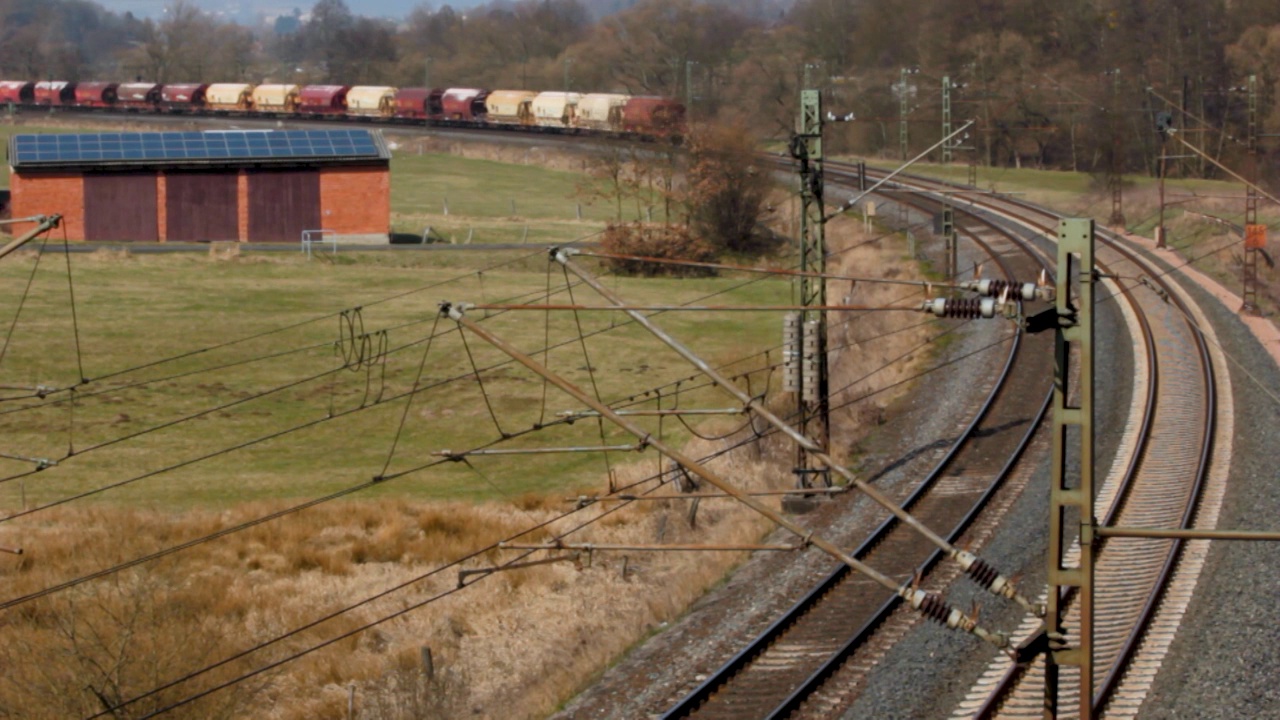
x: 43, y: 225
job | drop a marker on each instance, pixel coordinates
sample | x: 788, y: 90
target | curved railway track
x: 1162, y: 484
x: 1164, y: 459
x: 810, y: 647
x: 1164, y: 477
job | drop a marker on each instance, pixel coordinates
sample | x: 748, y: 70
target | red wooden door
x: 283, y: 203
x: 120, y: 207
x: 201, y: 206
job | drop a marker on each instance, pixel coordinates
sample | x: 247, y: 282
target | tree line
x: 1050, y: 84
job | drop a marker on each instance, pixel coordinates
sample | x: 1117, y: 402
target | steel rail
x: 1115, y: 672
x: 925, y: 602
x: 992, y: 581
x: 692, y: 701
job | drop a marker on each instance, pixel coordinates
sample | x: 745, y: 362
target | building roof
x: 233, y: 148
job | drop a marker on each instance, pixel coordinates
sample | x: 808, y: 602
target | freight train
x: 554, y: 112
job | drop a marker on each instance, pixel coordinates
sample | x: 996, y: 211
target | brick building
x: 250, y: 186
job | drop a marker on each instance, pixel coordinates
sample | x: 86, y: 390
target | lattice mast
x: 1253, y: 231
x: 1115, y: 167
x: 814, y: 387
x: 946, y: 119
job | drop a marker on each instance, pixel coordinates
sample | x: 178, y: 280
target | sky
x: 245, y: 10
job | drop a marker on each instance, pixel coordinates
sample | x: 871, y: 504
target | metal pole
x: 1249, y: 270
x: 946, y: 118
x: 949, y: 236
x: 647, y: 548
x: 43, y: 225
x: 813, y: 402
x: 1185, y: 534
x: 1000, y: 586
x: 1071, y: 498
x: 931, y: 605
x: 903, y: 109
x: 1115, y: 170
x: 1160, y: 230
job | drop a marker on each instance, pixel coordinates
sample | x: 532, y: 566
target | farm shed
x: 250, y: 186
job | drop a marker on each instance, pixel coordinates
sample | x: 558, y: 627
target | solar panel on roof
x: 169, y: 146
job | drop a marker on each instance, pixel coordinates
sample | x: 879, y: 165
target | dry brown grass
x: 873, y: 353
x: 512, y: 645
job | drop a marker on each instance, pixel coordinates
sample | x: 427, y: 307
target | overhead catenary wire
x: 920, y: 600
x: 71, y: 296
x: 267, y: 437
x: 376, y: 480
x: 22, y: 302
x: 401, y: 586
x: 302, y: 427
x: 591, y: 370
x: 295, y: 325
x: 1003, y: 587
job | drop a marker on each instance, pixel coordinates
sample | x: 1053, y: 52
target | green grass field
x: 132, y: 310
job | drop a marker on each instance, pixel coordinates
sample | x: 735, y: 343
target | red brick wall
x: 162, y: 207
x: 242, y: 205
x: 49, y: 194
x: 355, y: 200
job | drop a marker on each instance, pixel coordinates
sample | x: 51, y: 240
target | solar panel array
x: 193, y: 147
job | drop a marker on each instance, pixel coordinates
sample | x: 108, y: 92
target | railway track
x: 1164, y: 459
x: 1168, y: 476
x: 802, y: 662
x: 1164, y: 483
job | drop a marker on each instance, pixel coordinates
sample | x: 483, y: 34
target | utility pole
x: 904, y: 107
x: 426, y: 74
x: 1115, y: 168
x: 949, y: 238
x: 1071, y: 494
x: 806, y: 147
x: 1164, y: 126
x: 946, y: 118
x: 567, y: 60
x: 1255, y: 234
